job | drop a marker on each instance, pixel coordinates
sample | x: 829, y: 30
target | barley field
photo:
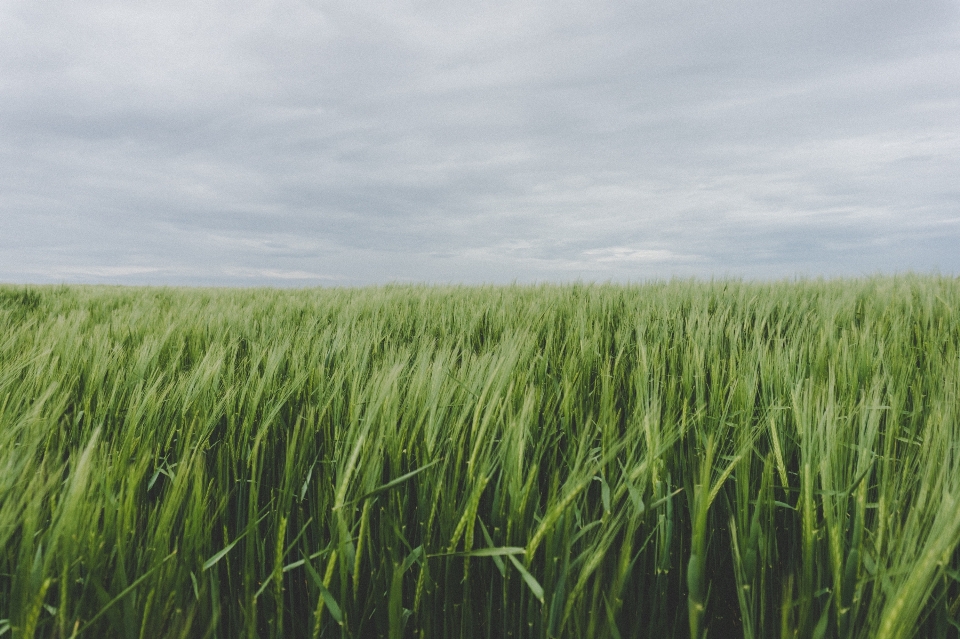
x: 673, y: 459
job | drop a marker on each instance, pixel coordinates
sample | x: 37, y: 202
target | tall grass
x: 676, y: 459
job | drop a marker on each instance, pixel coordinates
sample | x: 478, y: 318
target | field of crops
x: 674, y: 459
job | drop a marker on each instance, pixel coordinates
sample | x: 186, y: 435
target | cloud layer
x: 333, y: 143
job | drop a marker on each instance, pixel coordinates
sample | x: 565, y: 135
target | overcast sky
x: 358, y: 142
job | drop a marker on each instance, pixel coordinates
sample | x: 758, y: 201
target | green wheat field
x: 673, y: 459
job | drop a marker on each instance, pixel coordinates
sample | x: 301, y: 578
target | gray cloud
x: 348, y: 143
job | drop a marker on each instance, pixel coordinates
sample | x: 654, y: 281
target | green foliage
x: 673, y: 459
x: 19, y: 300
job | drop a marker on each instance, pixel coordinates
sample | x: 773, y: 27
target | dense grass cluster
x: 665, y: 460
